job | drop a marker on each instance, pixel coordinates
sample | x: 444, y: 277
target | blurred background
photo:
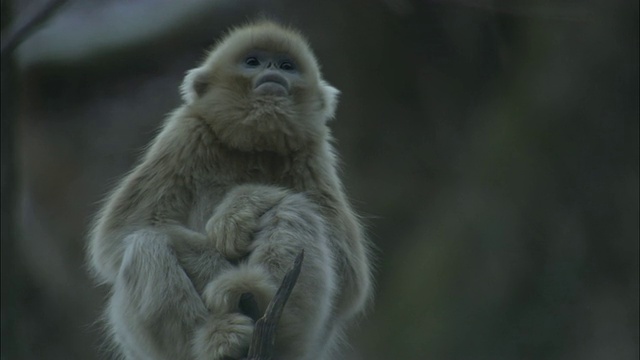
x: 491, y: 146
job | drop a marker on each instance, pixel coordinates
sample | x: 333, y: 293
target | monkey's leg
x: 227, y: 331
x: 154, y: 307
x: 197, y: 255
x: 295, y: 224
x: 289, y: 225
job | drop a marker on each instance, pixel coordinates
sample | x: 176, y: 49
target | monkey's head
x: 260, y: 89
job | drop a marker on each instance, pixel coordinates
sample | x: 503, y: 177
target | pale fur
x: 229, y: 192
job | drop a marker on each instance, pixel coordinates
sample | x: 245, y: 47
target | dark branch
x: 21, y: 31
x: 262, y: 343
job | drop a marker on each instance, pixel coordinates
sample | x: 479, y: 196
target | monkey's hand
x: 227, y: 332
x: 235, y: 220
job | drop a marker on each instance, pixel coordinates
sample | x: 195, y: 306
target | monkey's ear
x: 194, y: 85
x: 330, y: 98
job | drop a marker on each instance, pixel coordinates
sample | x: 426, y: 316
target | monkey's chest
x: 209, y: 192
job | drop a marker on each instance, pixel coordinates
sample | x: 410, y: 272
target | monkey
x: 240, y: 178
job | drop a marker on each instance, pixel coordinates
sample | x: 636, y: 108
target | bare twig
x: 20, y: 31
x: 262, y: 343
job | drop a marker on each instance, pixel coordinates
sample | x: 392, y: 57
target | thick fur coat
x: 230, y: 190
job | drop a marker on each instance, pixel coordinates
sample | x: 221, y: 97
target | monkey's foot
x: 223, y: 294
x: 223, y: 336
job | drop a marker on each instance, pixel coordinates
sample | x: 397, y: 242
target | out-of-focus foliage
x: 492, y: 148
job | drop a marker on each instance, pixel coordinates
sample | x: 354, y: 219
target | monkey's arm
x: 352, y: 258
x: 347, y: 242
x: 345, y: 236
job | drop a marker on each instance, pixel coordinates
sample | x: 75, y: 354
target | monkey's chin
x: 271, y: 88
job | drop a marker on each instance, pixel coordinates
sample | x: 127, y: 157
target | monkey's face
x: 271, y: 74
x: 260, y: 89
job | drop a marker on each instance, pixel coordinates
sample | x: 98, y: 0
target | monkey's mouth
x: 271, y: 84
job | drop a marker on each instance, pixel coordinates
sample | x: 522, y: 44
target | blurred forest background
x: 492, y: 147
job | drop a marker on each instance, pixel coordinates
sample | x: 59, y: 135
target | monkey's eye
x: 252, y: 61
x: 287, y: 66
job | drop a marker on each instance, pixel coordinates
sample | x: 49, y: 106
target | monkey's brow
x: 271, y: 43
x: 260, y: 51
